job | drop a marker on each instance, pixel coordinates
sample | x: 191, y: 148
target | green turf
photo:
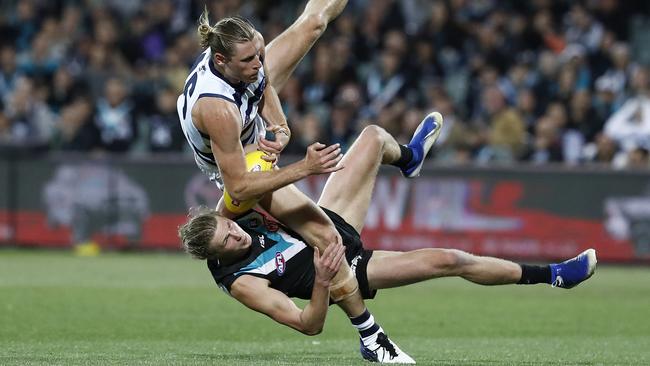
x: 157, y: 309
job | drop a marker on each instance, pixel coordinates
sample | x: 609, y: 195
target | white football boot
x: 384, y: 351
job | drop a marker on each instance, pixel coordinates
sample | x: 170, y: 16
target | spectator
x: 9, y: 72
x: 604, y: 101
x: 25, y: 23
x: 39, y: 62
x: 621, y: 69
x: 630, y: 125
x: 638, y: 159
x: 165, y: 134
x: 341, y: 124
x: 114, y: 117
x: 442, y: 29
x: 5, y: 129
x: 546, y: 85
x: 544, y: 26
x: 526, y: 107
x: 518, y: 78
x: 319, y: 87
x: 385, y: 81
x: 547, y: 145
x: 30, y: 120
x: 76, y: 129
x: 602, y: 151
x: 393, y: 58
x: 310, y: 129
x: 174, y: 71
x: 65, y: 88
x: 582, y: 28
x: 582, y: 116
x: 506, y: 129
x: 575, y: 66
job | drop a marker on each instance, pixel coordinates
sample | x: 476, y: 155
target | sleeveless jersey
x: 205, y: 81
x: 276, y: 254
x: 285, y: 260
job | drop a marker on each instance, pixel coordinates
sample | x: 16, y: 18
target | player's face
x: 246, y: 62
x: 229, y: 238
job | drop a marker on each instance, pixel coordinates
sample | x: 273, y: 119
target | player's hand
x: 328, y: 264
x: 274, y: 146
x: 321, y: 159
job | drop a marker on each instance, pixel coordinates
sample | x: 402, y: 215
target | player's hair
x: 198, y: 231
x: 225, y: 34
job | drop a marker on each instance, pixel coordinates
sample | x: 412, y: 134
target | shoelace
x: 559, y: 282
x: 384, y: 342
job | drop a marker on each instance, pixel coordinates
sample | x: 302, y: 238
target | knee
x: 327, y: 235
x: 451, y: 261
x: 373, y: 135
x: 331, y: 236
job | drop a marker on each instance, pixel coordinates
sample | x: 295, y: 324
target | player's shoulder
x: 215, y: 111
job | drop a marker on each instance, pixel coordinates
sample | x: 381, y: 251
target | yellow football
x: 254, y: 163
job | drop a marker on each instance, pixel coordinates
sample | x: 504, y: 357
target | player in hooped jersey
x: 229, y: 101
x: 261, y: 263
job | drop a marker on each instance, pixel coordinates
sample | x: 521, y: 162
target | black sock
x: 405, y: 157
x: 531, y: 275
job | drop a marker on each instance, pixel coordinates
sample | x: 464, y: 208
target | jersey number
x: 188, y: 91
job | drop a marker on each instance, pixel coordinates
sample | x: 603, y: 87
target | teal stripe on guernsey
x: 267, y: 256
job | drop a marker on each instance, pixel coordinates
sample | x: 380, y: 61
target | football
x: 254, y: 163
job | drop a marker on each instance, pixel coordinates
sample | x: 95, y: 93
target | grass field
x: 157, y: 309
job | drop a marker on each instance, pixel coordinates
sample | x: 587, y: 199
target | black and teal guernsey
x: 276, y: 253
x: 282, y: 257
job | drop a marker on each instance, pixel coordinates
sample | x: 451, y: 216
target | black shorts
x: 356, y: 256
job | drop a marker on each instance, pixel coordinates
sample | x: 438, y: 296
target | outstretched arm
x: 255, y: 293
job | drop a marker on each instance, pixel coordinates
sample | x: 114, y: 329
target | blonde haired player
x: 230, y: 101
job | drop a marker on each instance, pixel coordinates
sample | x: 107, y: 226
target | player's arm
x: 255, y: 293
x: 221, y: 120
x: 270, y: 109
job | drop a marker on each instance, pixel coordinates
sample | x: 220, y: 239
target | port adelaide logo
x: 280, y: 265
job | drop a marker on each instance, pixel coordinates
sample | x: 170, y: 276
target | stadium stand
x: 517, y: 81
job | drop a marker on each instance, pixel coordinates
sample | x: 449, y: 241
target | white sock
x: 368, y: 329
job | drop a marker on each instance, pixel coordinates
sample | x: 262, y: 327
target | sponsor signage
x: 514, y: 213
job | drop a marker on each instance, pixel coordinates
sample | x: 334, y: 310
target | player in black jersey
x: 262, y: 264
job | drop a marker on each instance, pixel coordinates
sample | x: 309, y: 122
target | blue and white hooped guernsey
x: 205, y: 81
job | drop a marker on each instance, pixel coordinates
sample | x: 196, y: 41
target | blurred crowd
x: 536, y: 81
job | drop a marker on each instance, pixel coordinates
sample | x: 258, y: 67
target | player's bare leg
x: 392, y: 269
x: 373, y: 147
x: 285, y: 52
x: 295, y: 210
